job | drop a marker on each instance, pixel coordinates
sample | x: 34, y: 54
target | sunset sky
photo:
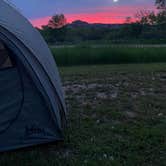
x: 93, y: 11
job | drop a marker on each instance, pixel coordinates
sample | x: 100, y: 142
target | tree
x: 161, y: 4
x: 57, y: 21
x: 146, y: 17
x: 128, y: 20
x: 161, y: 19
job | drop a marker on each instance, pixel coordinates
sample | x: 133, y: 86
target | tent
x: 32, y: 107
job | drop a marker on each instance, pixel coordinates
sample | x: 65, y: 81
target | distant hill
x: 79, y: 23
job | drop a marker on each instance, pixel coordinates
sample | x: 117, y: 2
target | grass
x: 88, y: 55
x: 116, y: 117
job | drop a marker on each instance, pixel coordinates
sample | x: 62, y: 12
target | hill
x: 79, y: 23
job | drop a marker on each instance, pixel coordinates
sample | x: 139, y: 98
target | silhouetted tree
x: 161, y: 4
x: 128, y: 20
x: 146, y: 17
x: 57, y: 21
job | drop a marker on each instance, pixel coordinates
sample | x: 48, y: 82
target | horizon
x: 94, y: 11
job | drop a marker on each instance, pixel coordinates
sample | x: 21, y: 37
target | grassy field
x: 117, y: 117
x: 91, y: 55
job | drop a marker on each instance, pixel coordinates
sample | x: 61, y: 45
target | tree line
x: 145, y: 25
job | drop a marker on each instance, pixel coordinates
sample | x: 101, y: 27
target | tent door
x: 11, y: 91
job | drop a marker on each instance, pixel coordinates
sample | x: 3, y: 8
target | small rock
x: 101, y: 95
x: 114, y: 95
x: 153, y: 79
x: 160, y: 114
x: 85, y: 161
x: 131, y: 114
x: 98, y: 121
x: 111, y: 158
x: 143, y: 93
x: 105, y: 155
x: 92, y: 139
x: 151, y: 89
x: 134, y: 95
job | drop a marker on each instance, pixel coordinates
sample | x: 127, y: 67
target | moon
x: 115, y: 0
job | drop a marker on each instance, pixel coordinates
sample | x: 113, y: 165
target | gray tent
x: 32, y: 108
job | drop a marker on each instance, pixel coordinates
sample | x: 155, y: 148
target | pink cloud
x: 112, y: 15
x: 40, y: 21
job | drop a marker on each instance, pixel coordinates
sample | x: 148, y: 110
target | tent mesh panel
x: 5, y: 61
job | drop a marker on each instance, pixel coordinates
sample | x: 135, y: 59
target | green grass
x: 87, y: 55
x: 116, y: 117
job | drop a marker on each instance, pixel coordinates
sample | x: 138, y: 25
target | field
x: 108, y: 54
x: 117, y: 117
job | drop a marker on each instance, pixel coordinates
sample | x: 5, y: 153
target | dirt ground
x: 116, y: 117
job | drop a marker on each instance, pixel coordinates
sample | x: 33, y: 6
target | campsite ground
x: 117, y: 116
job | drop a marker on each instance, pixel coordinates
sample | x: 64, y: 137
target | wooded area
x: 145, y: 26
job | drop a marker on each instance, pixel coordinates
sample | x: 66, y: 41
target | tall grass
x: 86, y: 55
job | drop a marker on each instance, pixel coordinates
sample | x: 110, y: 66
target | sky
x: 92, y: 11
